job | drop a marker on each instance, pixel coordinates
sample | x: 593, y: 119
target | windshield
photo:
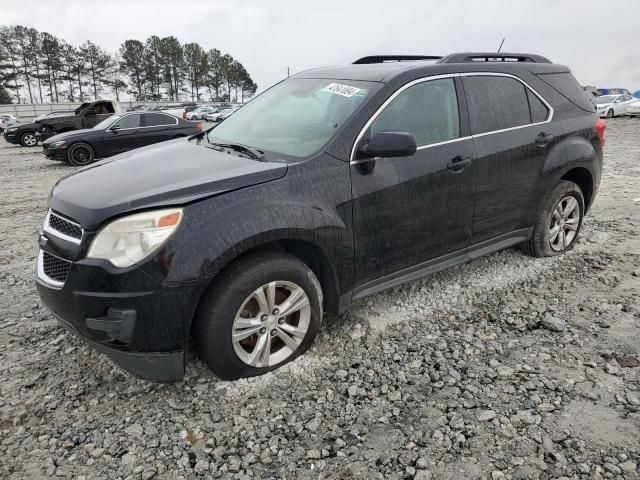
x: 107, y: 122
x: 606, y: 98
x: 296, y: 117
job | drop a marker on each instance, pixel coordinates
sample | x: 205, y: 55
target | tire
x: 554, y: 216
x: 80, y: 154
x: 230, y: 306
x: 28, y: 139
x: 610, y: 113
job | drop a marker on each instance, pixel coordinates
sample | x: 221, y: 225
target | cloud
x: 599, y: 45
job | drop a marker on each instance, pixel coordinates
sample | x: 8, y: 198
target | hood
x: 70, y: 134
x: 169, y: 173
x: 55, y: 120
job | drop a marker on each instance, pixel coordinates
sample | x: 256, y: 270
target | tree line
x: 38, y: 67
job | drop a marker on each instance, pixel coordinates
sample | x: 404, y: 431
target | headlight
x: 12, y: 129
x: 59, y: 143
x: 130, y: 239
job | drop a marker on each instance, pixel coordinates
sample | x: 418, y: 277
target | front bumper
x: 140, y: 324
x: 53, y: 153
x: 11, y: 137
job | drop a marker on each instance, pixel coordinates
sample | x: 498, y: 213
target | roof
x: 387, y: 69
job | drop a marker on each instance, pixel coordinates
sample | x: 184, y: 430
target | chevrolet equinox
x: 332, y: 185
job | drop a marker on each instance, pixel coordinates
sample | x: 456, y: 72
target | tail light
x: 199, y: 126
x: 601, y: 126
x: 184, y: 115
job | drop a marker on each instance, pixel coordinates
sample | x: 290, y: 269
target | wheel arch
x: 582, y: 177
x: 305, y: 250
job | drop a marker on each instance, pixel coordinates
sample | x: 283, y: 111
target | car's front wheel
x: 263, y: 311
x: 558, y: 222
x: 28, y: 139
x: 80, y: 154
x: 610, y: 113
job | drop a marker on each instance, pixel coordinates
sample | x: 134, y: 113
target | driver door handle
x: 459, y: 163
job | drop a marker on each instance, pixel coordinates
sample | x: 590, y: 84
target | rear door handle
x: 459, y: 163
x: 543, y: 139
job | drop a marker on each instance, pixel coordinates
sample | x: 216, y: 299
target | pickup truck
x: 86, y: 115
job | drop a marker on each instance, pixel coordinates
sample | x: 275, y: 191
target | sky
x: 597, y: 39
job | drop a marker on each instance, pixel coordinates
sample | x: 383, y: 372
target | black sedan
x: 117, y: 134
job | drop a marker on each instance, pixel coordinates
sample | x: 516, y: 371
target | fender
x: 579, y: 152
x: 217, y: 230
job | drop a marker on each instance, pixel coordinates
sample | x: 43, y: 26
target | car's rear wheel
x: 80, y: 154
x: 610, y: 113
x: 261, y: 312
x: 28, y: 139
x: 558, y: 222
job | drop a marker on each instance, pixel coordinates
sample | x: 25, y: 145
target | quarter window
x: 428, y: 110
x: 496, y: 103
x: 157, y: 119
x: 539, y: 111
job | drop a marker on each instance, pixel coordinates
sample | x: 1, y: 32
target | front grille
x: 55, y: 268
x: 64, y: 226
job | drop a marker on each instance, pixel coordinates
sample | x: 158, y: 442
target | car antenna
x: 500, y: 47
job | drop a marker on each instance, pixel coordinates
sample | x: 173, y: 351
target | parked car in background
x: 6, y: 121
x: 333, y: 185
x: 173, y: 109
x: 86, y: 115
x: 117, y: 134
x: 142, y: 106
x: 613, y: 105
x: 22, y: 134
x: 198, y: 113
x: 633, y: 109
x: 221, y: 114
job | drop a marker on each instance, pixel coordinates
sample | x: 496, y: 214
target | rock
x: 134, y: 430
x: 234, y: 463
x: 314, y: 454
x: 486, y: 415
x: 423, y: 475
x: 504, y: 371
x: 201, y: 467
x: 553, y: 323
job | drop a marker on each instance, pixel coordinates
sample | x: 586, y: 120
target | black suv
x: 332, y: 185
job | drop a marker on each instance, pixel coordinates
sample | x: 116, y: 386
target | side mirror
x: 115, y: 128
x: 389, y: 144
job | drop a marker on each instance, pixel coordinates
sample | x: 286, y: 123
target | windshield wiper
x: 238, y: 147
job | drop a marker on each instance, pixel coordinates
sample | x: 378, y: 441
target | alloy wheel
x: 81, y: 154
x: 271, y: 324
x: 564, y: 223
x: 30, y: 140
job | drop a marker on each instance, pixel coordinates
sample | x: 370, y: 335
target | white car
x: 7, y: 121
x: 222, y: 114
x: 613, y: 105
x: 633, y: 109
x: 198, y: 113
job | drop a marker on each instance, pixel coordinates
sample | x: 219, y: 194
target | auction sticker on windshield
x: 340, y: 89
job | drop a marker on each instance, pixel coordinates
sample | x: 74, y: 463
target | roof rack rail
x: 467, y: 57
x: 394, y: 58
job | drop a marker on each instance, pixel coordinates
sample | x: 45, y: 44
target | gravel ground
x: 507, y: 367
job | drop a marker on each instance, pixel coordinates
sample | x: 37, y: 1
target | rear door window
x: 428, y: 110
x: 496, y: 103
